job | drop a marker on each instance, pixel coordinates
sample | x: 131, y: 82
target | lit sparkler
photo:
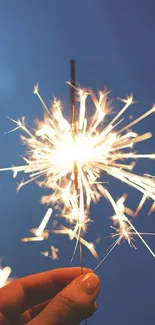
x: 71, y: 159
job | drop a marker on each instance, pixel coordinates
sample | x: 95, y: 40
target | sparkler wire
x: 73, y: 126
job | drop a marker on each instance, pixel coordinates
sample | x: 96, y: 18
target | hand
x: 58, y: 297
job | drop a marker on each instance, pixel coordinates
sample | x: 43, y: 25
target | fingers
x: 3, y: 320
x: 24, y: 293
x: 32, y: 312
x: 73, y: 304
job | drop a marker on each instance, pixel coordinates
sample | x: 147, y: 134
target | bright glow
x: 4, y: 275
x: 58, y: 153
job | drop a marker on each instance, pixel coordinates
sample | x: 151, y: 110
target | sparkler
x: 71, y: 159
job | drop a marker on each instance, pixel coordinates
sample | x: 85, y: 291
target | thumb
x: 72, y: 304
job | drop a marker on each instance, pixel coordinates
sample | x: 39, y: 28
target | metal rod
x: 73, y: 125
x: 72, y: 91
x: 73, y: 118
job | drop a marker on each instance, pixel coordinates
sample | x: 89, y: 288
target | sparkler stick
x: 73, y: 126
x: 72, y: 92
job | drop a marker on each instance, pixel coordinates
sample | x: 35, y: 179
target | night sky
x: 113, y: 44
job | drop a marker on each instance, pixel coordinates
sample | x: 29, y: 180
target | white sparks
x: 95, y: 149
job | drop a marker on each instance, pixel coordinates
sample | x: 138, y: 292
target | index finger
x: 20, y: 295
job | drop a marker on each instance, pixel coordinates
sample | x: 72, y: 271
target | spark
x: 72, y: 235
x: 54, y: 253
x: 29, y: 239
x: 97, y: 148
x: 40, y: 233
x: 45, y: 253
x: 4, y: 275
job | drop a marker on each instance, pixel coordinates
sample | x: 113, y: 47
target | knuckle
x: 76, y: 306
x: 64, y: 301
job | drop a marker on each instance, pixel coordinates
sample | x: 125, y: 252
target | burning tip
x: 36, y: 88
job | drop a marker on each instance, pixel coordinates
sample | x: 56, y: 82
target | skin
x: 56, y: 297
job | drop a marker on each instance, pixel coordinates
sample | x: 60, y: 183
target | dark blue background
x: 114, y: 44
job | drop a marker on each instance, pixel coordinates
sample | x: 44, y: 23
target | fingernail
x: 88, y: 283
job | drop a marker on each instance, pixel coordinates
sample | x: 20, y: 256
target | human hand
x: 57, y: 297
